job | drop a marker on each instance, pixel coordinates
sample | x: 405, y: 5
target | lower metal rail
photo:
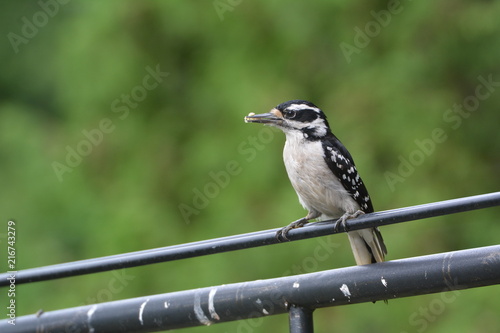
x: 298, y: 295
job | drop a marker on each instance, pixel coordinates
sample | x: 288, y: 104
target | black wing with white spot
x: 340, y: 162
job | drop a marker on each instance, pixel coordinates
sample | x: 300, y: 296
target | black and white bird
x: 323, y: 174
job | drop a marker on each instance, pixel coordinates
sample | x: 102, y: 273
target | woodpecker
x: 323, y: 174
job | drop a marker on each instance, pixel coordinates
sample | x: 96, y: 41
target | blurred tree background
x: 121, y: 126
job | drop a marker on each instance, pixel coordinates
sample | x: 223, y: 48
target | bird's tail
x: 367, y: 246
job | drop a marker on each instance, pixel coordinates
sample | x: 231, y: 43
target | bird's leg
x: 345, y: 217
x: 281, y: 234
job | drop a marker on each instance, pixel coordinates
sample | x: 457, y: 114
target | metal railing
x: 299, y: 295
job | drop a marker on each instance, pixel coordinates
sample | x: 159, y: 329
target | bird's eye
x: 291, y: 114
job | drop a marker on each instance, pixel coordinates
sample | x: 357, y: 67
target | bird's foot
x: 281, y: 235
x: 344, y: 218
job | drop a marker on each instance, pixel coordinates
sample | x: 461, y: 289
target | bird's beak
x: 273, y: 117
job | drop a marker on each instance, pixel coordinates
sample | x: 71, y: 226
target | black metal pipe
x: 301, y: 319
x: 435, y: 273
x: 249, y: 240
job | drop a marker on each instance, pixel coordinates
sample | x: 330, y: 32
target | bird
x: 323, y: 174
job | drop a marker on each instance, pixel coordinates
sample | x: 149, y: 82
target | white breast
x: 317, y: 187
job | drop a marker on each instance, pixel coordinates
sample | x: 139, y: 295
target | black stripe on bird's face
x: 305, y: 117
x: 294, y: 117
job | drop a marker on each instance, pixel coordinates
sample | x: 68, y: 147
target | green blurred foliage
x: 64, y: 76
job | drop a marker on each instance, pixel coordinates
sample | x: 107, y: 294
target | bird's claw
x: 347, y: 216
x: 338, y: 223
x: 281, y: 235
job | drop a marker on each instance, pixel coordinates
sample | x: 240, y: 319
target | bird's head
x: 293, y: 117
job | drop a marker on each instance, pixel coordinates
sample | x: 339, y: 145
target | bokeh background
x: 121, y: 129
